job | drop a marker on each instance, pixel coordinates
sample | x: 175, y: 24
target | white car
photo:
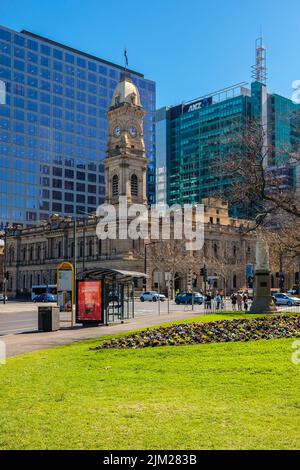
x: 2, y: 297
x: 152, y: 296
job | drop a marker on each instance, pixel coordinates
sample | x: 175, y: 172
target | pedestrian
x: 239, y: 299
x: 233, y: 301
x: 245, y: 300
x: 218, y: 301
x: 208, y: 301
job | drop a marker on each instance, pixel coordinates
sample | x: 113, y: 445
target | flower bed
x: 269, y: 327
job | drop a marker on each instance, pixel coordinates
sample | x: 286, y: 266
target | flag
x: 126, y: 57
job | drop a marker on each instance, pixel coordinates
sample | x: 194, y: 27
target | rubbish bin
x: 48, y: 318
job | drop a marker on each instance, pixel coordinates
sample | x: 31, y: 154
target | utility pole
x: 5, y: 266
x: 4, y: 272
x: 75, y: 256
x: 84, y: 242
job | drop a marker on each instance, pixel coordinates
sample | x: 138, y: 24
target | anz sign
x: 197, y: 105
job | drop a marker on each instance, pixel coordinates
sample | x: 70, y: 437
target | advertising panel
x: 89, y: 300
x: 64, y: 281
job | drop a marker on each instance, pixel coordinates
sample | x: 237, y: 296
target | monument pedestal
x: 262, y: 302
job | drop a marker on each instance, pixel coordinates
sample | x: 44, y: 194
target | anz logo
x: 200, y: 104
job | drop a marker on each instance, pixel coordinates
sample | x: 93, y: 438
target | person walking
x: 245, y: 300
x: 218, y: 301
x: 239, y: 299
x: 233, y: 301
x: 208, y: 300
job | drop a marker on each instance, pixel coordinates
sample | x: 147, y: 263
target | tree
x: 263, y: 172
x: 170, y: 256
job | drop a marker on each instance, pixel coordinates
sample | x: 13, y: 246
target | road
x: 18, y: 317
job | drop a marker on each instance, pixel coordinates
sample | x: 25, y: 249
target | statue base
x: 262, y: 302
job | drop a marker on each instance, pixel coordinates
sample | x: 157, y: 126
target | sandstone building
x: 33, y: 254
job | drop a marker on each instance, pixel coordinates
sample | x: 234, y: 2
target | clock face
x: 117, y: 131
x: 133, y: 131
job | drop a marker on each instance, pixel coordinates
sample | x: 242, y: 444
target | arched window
x: 234, y: 250
x: 115, y: 185
x: 215, y: 250
x: 134, y: 185
x: 81, y: 248
x: 91, y: 247
x: 234, y: 281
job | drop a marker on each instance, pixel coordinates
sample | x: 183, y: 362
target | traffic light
x: 203, y: 272
x: 281, y: 280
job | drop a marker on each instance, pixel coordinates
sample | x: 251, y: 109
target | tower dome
x: 126, y: 92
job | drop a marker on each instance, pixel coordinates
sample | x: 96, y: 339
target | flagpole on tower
x: 126, y: 61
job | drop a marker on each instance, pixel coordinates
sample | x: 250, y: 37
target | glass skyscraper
x: 53, y: 128
x: 193, y: 138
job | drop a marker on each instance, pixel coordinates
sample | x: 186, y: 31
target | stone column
x: 262, y: 302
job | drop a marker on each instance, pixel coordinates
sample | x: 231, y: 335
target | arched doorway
x: 178, y: 282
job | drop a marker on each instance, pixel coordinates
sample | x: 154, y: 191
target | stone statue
x: 262, y: 256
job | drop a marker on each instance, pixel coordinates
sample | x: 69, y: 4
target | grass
x: 215, y: 396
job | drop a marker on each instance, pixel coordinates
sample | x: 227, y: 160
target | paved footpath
x: 27, y: 342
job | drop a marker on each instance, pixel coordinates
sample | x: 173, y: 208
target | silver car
x: 152, y: 296
x: 285, y: 299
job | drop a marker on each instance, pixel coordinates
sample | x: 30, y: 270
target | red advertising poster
x: 89, y: 300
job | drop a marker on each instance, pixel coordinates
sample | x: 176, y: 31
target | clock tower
x: 126, y: 162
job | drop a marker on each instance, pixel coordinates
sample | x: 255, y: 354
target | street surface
x: 19, y: 317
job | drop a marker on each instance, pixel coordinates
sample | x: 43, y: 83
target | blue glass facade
x: 53, y: 128
x: 194, y: 139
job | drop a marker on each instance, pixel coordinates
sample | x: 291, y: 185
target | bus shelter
x: 105, y: 296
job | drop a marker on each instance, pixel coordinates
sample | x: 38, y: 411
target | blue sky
x: 189, y: 47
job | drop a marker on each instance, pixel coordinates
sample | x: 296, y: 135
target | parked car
x: 187, y: 298
x: 285, y: 299
x: 2, y: 297
x: 45, y: 298
x: 152, y: 296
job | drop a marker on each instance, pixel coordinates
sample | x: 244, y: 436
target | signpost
x: 66, y: 289
x: 168, y: 279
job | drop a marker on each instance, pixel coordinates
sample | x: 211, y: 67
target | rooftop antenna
x: 259, y: 70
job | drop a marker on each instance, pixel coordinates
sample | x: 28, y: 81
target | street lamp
x: 3, y: 233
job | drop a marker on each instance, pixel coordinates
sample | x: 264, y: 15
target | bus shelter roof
x: 116, y: 274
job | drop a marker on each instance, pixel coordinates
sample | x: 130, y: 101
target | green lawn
x: 215, y: 396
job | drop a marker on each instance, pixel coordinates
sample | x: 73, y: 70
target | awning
x: 112, y: 273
